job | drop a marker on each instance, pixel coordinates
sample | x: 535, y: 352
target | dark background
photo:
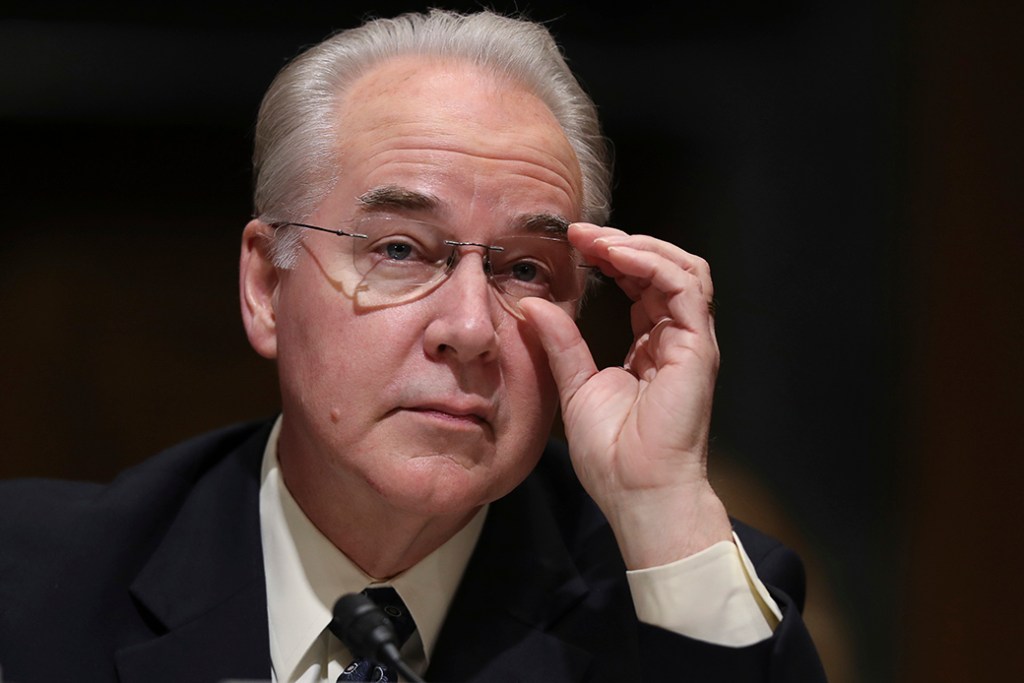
x: 848, y: 168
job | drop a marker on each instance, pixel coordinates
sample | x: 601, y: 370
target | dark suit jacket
x: 158, y: 576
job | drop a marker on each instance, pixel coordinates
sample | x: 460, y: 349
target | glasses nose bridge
x: 456, y: 256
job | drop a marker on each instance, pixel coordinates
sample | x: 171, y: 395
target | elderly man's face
x: 444, y: 402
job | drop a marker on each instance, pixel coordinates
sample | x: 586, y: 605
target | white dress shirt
x: 713, y: 596
x: 306, y: 574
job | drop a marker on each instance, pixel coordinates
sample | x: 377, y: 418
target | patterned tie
x: 365, y: 670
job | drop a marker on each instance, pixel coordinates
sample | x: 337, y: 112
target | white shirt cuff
x: 713, y: 596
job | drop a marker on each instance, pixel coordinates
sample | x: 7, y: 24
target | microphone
x: 367, y: 632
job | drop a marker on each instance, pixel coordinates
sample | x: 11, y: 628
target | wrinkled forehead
x: 432, y: 105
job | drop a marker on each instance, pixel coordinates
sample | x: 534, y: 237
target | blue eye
x: 524, y: 271
x: 398, y: 251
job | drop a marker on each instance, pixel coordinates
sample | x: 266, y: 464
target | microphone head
x: 362, y: 626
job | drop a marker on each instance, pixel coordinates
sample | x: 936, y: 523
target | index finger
x: 594, y: 242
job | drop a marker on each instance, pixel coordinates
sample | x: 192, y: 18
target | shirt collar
x: 306, y: 573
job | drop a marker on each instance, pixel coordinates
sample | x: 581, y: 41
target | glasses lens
x: 397, y: 258
x: 401, y: 258
x: 537, y: 265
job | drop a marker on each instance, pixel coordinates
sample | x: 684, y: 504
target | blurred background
x: 850, y: 169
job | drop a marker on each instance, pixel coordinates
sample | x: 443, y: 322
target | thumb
x: 568, y: 355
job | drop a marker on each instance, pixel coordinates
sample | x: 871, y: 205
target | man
x: 429, y: 193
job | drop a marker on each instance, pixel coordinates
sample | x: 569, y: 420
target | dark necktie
x: 365, y: 670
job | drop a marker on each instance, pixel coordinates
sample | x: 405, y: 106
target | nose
x: 464, y: 324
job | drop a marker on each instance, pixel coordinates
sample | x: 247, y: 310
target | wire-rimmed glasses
x: 389, y: 260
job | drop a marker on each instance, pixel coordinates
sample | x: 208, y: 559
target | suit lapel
x: 203, y: 589
x: 520, y: 581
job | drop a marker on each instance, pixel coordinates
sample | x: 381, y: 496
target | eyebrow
x: 398, y: 198
x: 548, y: 223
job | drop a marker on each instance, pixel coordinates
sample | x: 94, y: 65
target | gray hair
x: 294, y: 162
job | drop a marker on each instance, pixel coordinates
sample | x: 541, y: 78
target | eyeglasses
x: 392, y: 260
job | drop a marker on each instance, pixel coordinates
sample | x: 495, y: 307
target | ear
x: 259, y: 280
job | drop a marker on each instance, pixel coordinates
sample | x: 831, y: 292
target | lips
x: 476, y: 413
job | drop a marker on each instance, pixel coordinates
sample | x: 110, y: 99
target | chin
x: 447, y: 485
